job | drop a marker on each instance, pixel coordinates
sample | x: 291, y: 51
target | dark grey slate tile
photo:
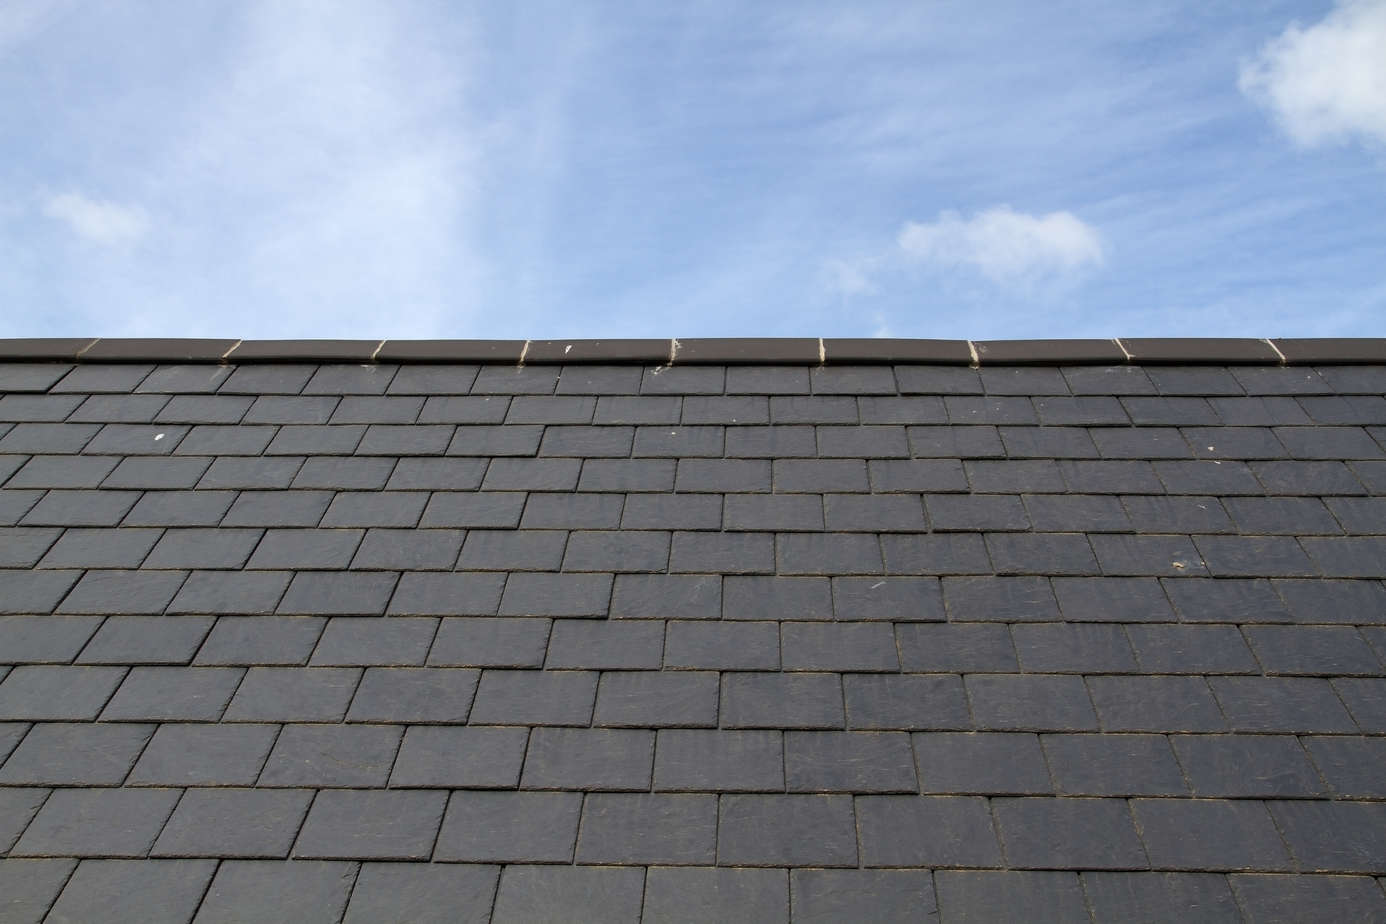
x: 999, y: 599
x: 422, y: 893
x: 966, y: 648
x: 371, y: 824
x: 339, y: 474
x: 938, y: 380
x: 594, y: 759
x: 103, y: 377
x: 543, y: 594
x: 796, y: 598
x: 47, y: 437
x: 958, y: 442
x: 1255, y: 556
x: 270, y: 379
x: 31, y: 376
x: 54, y: 693
x: 445, y: 757
x: 1359, y: 515
x: 512, y: 550
x: 23, y: 546
x: 1123, y: 555
x: 146, y: 640
x: 1080, y: 410
x: 351, y: 641
x: 1156, y: 704
x: 645, y: 409
x: 714, y: 475
x: 155, y: 891
x: 406, y: 440
x: 1176, y: 514
x: 1247, y: 766
x: 338, y: 592
x: 75, y: 754
x: 874, y: 513
x: 172, y: 693
x: 375, y: 508
x: 676, y: 442
x: 1306, y: 478
x: 17, y: 808
x: 64, y: 472
x: 1314, y: 650
x: 53, y: 639
x: 353, y: 379
x: 1112, y: 599
x: 210, y: 439
x: 332, y: 755
x: 1347, y: 557
x: 643, y: 699
x: 316, y: 439
x: 1268, y: 897
x: 719, y: 760
x: 532, y: 474
x: 596, y: 893
x: 408, y: 550
x: 667, y: 596
x: 715, y: 894
x: 872, y: 442
x: 306, y: 548
x: 1068, y: 833
x: 1113, y: 765
x: 1038, y: 702
x: 487, y: 642
x: 1350, y: 765
x: 1015, y: 476
x: 31, y: 886
x: 158, y: 472
x: 926, y: 831
x: 97, y: 823
x: 136, y: 439
x: 916, y: 475
x: 1347, y: 837
x: 413, y: 694
x: 80, y: 508
x: 1073, y: 648
x: 671, y: 511
x: 180, y: 508
x: 1209, y: 834
x: 301, y: 890
x: 237, y: 593
x: 726, y: 553
x: 827, y: 553
x: 234, y: 823
x: 1160, y: 896
x: 508, y: 440
x: 1230, y: 601
x: 988, y: 763
x: 786, y: 830
x: 807, y: 646
x: 742, y: 512
x: 509, y: 827
x: 433, y: 474
x: 535, y: 698
x: 1176, y: 649
x: 990, y: 410
x: 816, y: 476
x: 590, y: 645
x: 572, y: 511
x: 474, y: 509
x: 824, y: 895
x: 901, y: 410
x: 277, y: 508
x: 616, y: 550
x: 1284, y: 704
x: 381, y: 410
x: 648, y: 828
x: 195, y: 754
x: 1041, y: 553
x: 795, y: 409
x: 293, y: 694
x: 285, y: 409
x: 1326, y: 601
x: 723, y: 646
x: 1283, y: 515
x: 764, y: 700
x: 855, y: 761
x: 905, y: 702
x: 1048, y: 443
x: 422, y: 378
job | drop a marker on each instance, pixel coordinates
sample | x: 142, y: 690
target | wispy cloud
x: 100, y: 222
x: 1004, y: 245
x: 1326, y: 83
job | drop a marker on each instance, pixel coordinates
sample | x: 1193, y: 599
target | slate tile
x: 722, y: 646
x: 332, y: 755
x: 563, y: 409
x: 1348, y: 837
x: 1068, y: 833
x: 234, y: 823
x: 180, y: 508
x: 786, y: 830
x: 204, y: 755
x: 1266, y: 897
x: 715, y: 475
x: 1332, y: 442
x: 413, y: 694
x: 535, y: 698
x: 916, y: 475
x: 509, y: 827
x: 226, y: 440
x: 55, y: 693
x: 364, y: 824
x: 1284, y: 704
x: 722, y: 552
x: 1176, y: 649
x: 838, y: 647
x: 447, y: 378
x: 62, y: 472
x: 645, y: 409
x: 580, y: 378
x: 532, y: 475
x: 764, y: 700
x: 958, y: 442
x: 1282, y: 515
x: 277, y: 508
x: 874, y: 513
x: 375, y: 508
x: 1176, y: 514
x: 795, y: 409
x: 893, y: 409
x: 543, y: 594
x: 17, y: 807
x: 1113, y: 765
x: 1260, y: 411
x: 31, y: 886
x: 768, y: 380
x: 1306, y: 478
x: 872, y: 442
x: 1048, y: 443
x: 1315, y: 650
x: 282, y: 409
x: 999, y: 599
x: 474, y: 509
x: 743, y: 512
x: 973, y: 512
x: 172, y: 693
x: 594, y: 759
x: 1147, y: 555
x: 306, y: 548
x: 938, y: 380
x: 508, y: 440
x: 97, y: 823
x: 53, y: 639
x: 406, y: 440
x: 75, y: 754
x: 293, y: 694
x: 671, y: 511
x: 1041, y: 553
x: 1111, y: 599
x: 1160, y: 896
x: 719, y: 760
x: 239, y: 593
x: 595, y: 893
x: 1279, y: 380
x: 715, y: 894
x: 31, y: 376
x: 835, y: 895
x: 1231, y: 601
x: 676, y: 442
x: 850, y: 380
x: 338, y: 592
x: 905, y: 702
x: 1209, y: 834
x: 422, y: 893
x: 1247, y: 766
x: 1069, y: 648
x: 1080, y: 410
x: 202, y: 548
x: 968, y: 648
x: 990, y: 763
x: 572, y: 511
x: 603, y: 645
x: 136, y: 439
x: 22, y: 546
x: 612, y: 550
x: 1349, y: 556
x: 1231, y: 442
x: 1015, y: 476
x: 1028, y: 380
x: 939, y: 553
x: 146, y: 639
x: 352, y: 641
x: 1358, y: 515
x: 353, y: 379
x: 966, y: 409
x: 379, y: 410
x: 337, y: 474
x: 273, y: 378
x: 1254, y: 556
x: 827, y: 553
x: 47, y: 437
x: 488, y: 642
x: 518, y: 550
x: 1156, y: 704
x: 103, y: 377
x: 155, y: 891
x: 926, y: 831
x: 471, y: 758
x: 413, y: 474
x: 1038, y: 702
x: 80, y: 508
x: 648, y: 828
x: 1351, y: 766
x: 856, y: 761
x: 316, y: 439
x: 661, y: 596
x: 299, y: 890
x: 408, y: 550
x: 798, y: 598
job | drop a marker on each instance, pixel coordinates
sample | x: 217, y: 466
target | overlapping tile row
x: 609, y: 641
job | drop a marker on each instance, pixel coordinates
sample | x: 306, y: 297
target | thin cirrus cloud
x: 1325, y: 83
x: 1004, y: 245
x: 95, y: 220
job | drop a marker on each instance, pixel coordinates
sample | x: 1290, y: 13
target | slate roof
x: 824, y: 629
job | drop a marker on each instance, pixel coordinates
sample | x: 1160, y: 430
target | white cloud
x: 1326, y: 83
x: 1004, y: 245
x: 98, y: 221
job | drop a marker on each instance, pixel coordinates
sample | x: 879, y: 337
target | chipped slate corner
x: 433, y: 630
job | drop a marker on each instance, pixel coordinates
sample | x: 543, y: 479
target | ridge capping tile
x: 293, y: 351
x: 1048, y: 352
x: 67, y: 349
x: 884, y: 350
x: 1188, y: 351
x: 753, y: 351
x: 150, y: 349
x: 598, y: 351
x: 1332, y: 349
x: 451, y: 351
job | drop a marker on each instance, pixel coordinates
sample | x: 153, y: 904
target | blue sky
x: 632, y: 169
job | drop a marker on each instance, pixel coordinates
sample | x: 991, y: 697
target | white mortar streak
x: 673, y: 349
x: 376, y: 352
x: 231, y: 350
x: 822, y: 352
x: 1122, y: 347
x: 524, y: 351
x: 972, y: 348
x: 1271, y: 343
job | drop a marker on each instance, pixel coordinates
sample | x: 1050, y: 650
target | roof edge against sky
x: 704, y: 351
